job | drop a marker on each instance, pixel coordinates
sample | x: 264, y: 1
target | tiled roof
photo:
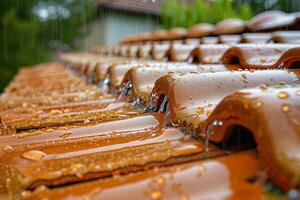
x: 107, y: 124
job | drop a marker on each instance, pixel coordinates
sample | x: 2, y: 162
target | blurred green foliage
x: 30, y: 29
x: 259, y: 6
x: 180, y: 13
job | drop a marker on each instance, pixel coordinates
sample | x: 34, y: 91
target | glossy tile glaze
x: 271, y: 20
x: 209, y: 40
x: 262, y: 56
x: 176, y: 33
x: 142, y: 79
x: 115, y: 74
x: 158, y: 51
x: 272, y: 116
x: 221, y: 178
x: 78, y: 133
x: 292, y: 37
x: 143, y: 51
x: 40, y: 119
x: 192, y: 97
x: 230, y: 26
x: 200, y: 30
x: 208, y: 53
x: 256, y: 37
x: 180, y: 52
x: 87, y: 153
x: 229, y: 39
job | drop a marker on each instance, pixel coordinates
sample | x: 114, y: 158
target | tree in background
x: 180, y: 13
x: 259, y: 6
x: 30, y: 29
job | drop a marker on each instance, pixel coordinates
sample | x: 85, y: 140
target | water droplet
x: 137, y: 103
x: 202, y: 170
x: 34, y: 155
x: 41, y: 188
x: 55, y: 112
x: 263, y: 87
x: 161, y: 181
x: 156, y: 195
x: 164, y: 106
x: 78, y: 169
x: 282, y: 83
x: 24, y: 105
x: 153, y: 102
x: 283, y: 95
x: 190, y: 97
x: 184, y: 197
x: 286, y: 108
x: 262, y: 61
x: 104, y: 85
x: 258, y: 104
x: 49, y: 130
x: 293, y: 195
x: 86, y: 121
x: 25, y: 194
x: 8, y: 148
x: 200, y: 111
x: 65, y: 134
x: 27, y: 134
x: 125, y: 90
x: 210, y: 132
x: 208, y: 112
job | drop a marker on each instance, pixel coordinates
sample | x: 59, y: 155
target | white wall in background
x: 111, y: 26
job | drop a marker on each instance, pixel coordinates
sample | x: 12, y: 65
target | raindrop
x: 215, y: 123
x: 86, y: 121
x: 200, y: 111
x: 153, y: 101
x: 166, y: 118
x: 258, y: 104
x: 125, y: 90
x: 283, y: 95
x: 8, y: 148
x: 286, y: 108
x: 34, y: 155
x: 201, y: 170
x: 263, y: 87
x: 164, y: 105
x: 65, y: 134
x: 156, y: 194
x: 184, y: 197
x: 137, y: 103
x: 104, y: 85
x: 293, y: 195
x: 161, y: 181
